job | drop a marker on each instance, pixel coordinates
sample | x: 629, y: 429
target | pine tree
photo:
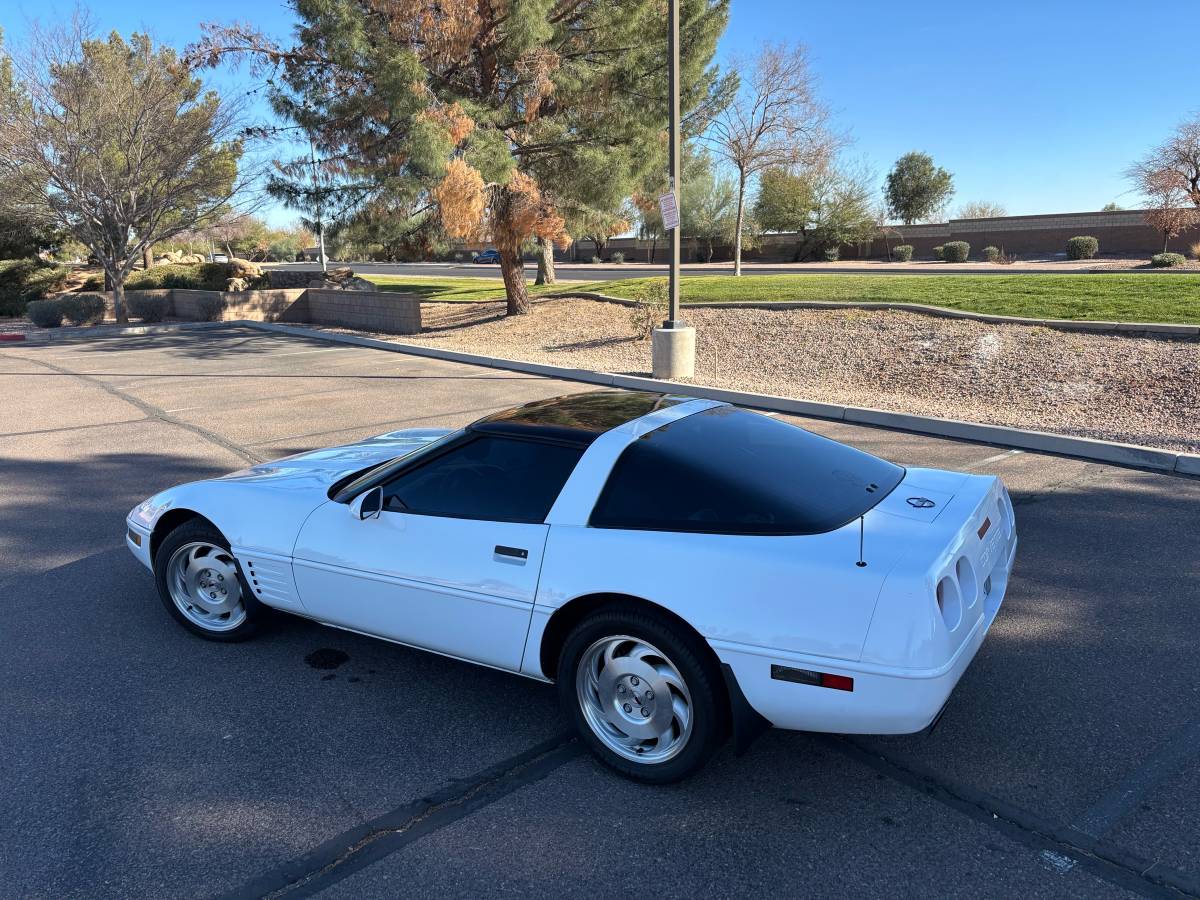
x: 489, y: 113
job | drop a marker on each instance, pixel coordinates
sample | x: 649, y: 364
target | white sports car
x: 684, y: 569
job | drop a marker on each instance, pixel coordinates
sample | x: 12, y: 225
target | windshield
x: 349, y: 486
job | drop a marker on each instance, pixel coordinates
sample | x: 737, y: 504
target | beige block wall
x: 257, y: 306
x: 386, y: 311
x: 382, y: 311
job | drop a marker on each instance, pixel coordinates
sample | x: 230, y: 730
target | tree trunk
x: 1166, y: 240
x: 513, y: 272
x: 545, y: 272
x: 737, y: 233
x: 148, y: 256
x: 709, y: 257
x: 119, y: 310
x: 653, y: 248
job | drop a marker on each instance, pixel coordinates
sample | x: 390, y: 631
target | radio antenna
x: 862, y: 563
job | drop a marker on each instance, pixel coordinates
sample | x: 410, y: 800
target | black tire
x: 200, y: 531
x: 693, y: 661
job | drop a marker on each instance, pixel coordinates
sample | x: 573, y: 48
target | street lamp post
x: 674, y: 344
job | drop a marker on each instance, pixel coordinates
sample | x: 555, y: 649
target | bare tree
x: 981, y: 209
x: 776, y: 121
x: 1166, y: 204
x: 1176, y: 162
x: 114, y: 142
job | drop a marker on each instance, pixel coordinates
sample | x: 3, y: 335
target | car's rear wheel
x: 645, y: 697
x: 201, y: 586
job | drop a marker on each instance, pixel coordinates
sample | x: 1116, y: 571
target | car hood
x: 324, y: 467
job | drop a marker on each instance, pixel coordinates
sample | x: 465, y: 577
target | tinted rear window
x: 729, y: 471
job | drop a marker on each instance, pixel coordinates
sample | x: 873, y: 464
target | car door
x: 451, y: 563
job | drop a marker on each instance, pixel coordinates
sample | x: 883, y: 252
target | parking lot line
x: 1164, y: 762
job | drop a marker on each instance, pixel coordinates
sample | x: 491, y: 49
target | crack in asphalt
x: 1149, y: 878
x: 355, y: 849
x: 151, y: 411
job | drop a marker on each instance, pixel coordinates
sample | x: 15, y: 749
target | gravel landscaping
x: 1141, y: 390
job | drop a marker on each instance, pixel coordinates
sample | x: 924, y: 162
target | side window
x: 498, y: 479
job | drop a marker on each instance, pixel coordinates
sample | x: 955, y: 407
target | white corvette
x: 684, y: 569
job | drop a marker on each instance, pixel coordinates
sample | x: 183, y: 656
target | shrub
x: 1083, y: 247
x: 1167, y: 260
x: 650, y: 308
x: 938, y: 252
x: 596, y: 260
x: 82, y: 309
x: 618, y: 257
x: 1195, y: 250
x: 187, y: 276
x: 903, y: 252
x: 44, y: 313
x: 210, y: 309
x: 991, y: 254
x: 832, y: 254
x: 956, y: 251
x: 23, y: 280
x: 147, y: 307
x: 93, y: 283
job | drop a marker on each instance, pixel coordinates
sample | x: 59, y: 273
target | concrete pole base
x: 674, y: 353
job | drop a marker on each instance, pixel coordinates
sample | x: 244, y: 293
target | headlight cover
x: 147, y: 512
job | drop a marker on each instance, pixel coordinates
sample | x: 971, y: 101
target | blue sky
x: 1028, y: 106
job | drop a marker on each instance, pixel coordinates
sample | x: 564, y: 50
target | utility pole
x: 674, y: 345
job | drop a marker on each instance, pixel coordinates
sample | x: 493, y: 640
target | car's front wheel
x: 645, y: 697
x: 200, y: 585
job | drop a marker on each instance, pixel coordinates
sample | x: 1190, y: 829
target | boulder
x: 243, y: 268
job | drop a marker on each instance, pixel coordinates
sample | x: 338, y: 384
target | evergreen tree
x: 488, y: 113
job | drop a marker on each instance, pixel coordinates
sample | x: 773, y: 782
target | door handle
x: 514, y: 552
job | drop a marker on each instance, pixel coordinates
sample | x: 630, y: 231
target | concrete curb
x: 98, y: 331
x: 1132, y: 455
x: 1088, y: 325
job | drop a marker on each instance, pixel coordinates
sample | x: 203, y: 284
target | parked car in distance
x: 219, y: 258
x: 683, y: 569
x: 487, y: 256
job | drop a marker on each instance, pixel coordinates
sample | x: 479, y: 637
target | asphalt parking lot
x: 139, y: 761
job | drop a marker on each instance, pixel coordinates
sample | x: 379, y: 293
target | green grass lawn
x: 1102, y: 296
x: 450, y: 290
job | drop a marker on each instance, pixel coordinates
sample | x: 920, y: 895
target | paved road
x: 139, y: 761
x: 614, y: 272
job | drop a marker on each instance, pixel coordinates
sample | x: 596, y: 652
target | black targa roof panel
x: 578, y: 418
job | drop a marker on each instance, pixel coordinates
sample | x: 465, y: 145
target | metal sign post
x: 673, y: 320
x: 674, y: 345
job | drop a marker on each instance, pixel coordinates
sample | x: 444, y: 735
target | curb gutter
x: 1132, y: 455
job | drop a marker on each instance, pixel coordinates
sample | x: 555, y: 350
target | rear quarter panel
x: 801, y: 593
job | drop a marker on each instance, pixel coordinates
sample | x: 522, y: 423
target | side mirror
x: 368, y: 505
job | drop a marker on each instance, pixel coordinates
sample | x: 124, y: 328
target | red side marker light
x: 816, y: 679
x: 837, y: 682
x: 983, y: 529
